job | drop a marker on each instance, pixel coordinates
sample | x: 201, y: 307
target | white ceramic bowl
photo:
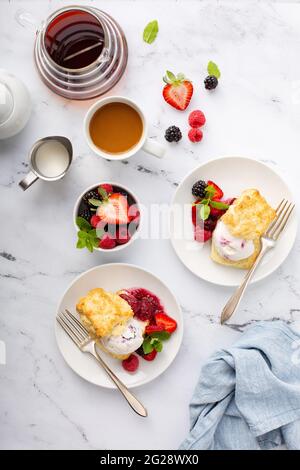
x: 113, y: 277
x: 123, y: 188
x: 233, y: 174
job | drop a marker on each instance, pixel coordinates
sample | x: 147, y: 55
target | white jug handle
x: 154, y: 148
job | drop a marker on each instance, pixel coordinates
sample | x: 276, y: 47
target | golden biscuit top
x: 249, y: 216
x: 101, y: 312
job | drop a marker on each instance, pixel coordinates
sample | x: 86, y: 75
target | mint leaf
x: 89, y: 245
x: 82, y: 234
x: 83, y: 224
x: 95, y: 202
x: 161, y: 335
x: 158, y: 346
x: 150, y: 32
x: 204, y: 211
x: 213, y: 69
x: 219, y: 205
x: 147, y: 346
x: 102, y: 193
x: 80, y: 243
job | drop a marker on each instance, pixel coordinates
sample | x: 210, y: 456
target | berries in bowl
x: 106, y: 217
x: 208, y: 207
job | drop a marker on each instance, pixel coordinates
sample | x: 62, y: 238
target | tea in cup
x: 115, y: 129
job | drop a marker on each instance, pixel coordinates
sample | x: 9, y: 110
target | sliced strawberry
x: 114, y: 209
x: 218, y: 194
x: 168, y: 323
x: 107, y: 187
x: 95, y: 219
x: 131, y: 363
x: 153, y: 329
x: 178, y: 91
x: 201, y: 235
x: 107, y: 242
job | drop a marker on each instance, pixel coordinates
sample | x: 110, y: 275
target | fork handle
x: 235, y: 299
x: 135, y: 404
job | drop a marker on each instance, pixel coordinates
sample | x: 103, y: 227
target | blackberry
x: 93, y: 194
x: 173, y: 134
x: 211, y: 82
x: 85, y: 213
x: 198, y: 189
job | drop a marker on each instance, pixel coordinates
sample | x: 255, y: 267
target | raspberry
x: 107, y: 242
x: 201, y: 235
x: 131, y: 363
x: 107, y: 187
x: 95, y: 219
x: 195, y: 135
x: 150, y: 356
x: 196, y: 118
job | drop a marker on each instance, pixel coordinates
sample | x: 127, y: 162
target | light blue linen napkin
x: 248, y: 396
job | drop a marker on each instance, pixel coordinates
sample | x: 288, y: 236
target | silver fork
x: 268, y: 241
x: 80, y: 336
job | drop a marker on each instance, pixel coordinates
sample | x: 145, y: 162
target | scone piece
x: 102, y: 312
x: 246, y: 221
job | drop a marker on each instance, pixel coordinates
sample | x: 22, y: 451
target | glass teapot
x: 80, y: 51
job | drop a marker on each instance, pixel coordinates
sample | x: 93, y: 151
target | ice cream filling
x: 230, y: 247
x: 128, y: 341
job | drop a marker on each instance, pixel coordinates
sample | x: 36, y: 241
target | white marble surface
x: 255, y: 112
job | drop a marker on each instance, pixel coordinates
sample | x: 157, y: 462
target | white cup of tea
x: 115, y: 128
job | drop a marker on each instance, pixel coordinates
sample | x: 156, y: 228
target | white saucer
x: 233, y: 175
x: 113, y: 277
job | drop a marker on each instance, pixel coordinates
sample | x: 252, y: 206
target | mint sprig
x: 87, y: 235
x: 155, y: 341
x: 213, y: 69
x: 208, y: 202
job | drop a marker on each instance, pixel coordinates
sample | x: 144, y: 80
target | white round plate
x: 233, y: 175
x: 113, y: 277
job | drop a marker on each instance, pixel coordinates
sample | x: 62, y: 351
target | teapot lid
x: 6, y: 102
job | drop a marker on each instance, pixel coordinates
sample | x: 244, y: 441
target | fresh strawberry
x: 218, y: 194
x: 168, y: 323
x: 107, y: 187
x: 201, y: 235
x: 114, y: 209
x: 150, y: 356
x: 122, y: 235
x: 153, y: 329
x: 95, y: 219
x: 178, y: 90
x: 215, y: 214
x: 107, y: 242
x: 131, y: 363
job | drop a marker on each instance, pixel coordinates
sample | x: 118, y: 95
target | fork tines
x: 283, y: 212
x: 73, y: 327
